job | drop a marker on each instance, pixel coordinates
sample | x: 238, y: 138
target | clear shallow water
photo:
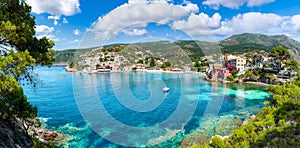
x: 62, y: 97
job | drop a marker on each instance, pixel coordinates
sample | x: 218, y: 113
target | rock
x: 46, y: 135
x: 246, y: 121
x: 221, y: 137
x: 242, y: 113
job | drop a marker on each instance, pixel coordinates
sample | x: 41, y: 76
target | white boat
x: 104, y: 70
x: 166, y: 89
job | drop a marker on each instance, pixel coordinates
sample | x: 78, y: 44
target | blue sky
x: 82, y: 23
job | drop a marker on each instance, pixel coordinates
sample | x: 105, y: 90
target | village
x: 254, y: 66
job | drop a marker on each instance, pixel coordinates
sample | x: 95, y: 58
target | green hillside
x: 65, y: 56
x: 195, y: 49
x: 247, y: 41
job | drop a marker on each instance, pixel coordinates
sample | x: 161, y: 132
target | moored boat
x: 166, y: 89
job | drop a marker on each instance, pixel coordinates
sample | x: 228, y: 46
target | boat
x: 166, y: 89
x: 104, y: 70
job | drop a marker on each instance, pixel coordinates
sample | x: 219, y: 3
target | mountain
x: 240, y: 43
x: 247, y: 41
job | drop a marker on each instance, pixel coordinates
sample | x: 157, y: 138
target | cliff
x: 13, y: 134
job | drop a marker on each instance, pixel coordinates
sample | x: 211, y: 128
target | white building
x: 241, y: 65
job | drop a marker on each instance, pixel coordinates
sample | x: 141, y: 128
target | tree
x: 291, y: 65
x: 197, y: 64
x: 152, y: 63
x: 71, y: 65
x: 17, y: 31
x: 140, y: 62
x: 234, y: 71
x: 280, y: 54
x: 101, y: 59
x: 19, y: 51
x: 230, y: 78
x: 165, y: 65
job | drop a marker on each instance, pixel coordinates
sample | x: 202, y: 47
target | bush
x: 230, y: 78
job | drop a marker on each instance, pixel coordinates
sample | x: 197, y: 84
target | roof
x: 219, y: 68
x: 140, y: 65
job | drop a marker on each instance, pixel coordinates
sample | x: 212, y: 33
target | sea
x: 131, y: 109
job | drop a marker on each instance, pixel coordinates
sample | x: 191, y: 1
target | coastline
x: 72, y: 70
x: 41, y: 133
x: 257, y: 83
x: 243, y: 82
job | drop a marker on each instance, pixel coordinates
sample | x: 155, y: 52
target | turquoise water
x: 130, y: 109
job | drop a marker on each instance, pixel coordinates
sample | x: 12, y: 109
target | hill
x: 247, y: 41
x: 240, y: 43
x: 64, y: 56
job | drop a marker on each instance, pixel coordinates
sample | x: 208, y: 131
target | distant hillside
x: 195, y: 49
x: 247, y: 41
x: 64, y: 56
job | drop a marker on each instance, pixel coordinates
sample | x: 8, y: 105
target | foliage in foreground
x: 19, y: 51
x: 276, y: 126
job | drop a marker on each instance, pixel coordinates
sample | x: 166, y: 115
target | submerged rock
x: 221, y: 126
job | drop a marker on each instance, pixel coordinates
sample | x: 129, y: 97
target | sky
x: 73, y: 24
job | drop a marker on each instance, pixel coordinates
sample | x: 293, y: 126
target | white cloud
x: 135, y: 32
x: 75, y: 41
x: 45, y: 31
x: 252, y: 3
x: 65, y: 21
x: 215, y: 21
x: 295, y: 21
x: 235, y: 4
x: 190, y: 7
x: 49, y: 36
x: 76, y: 32
x: 198, y: 24
x: 55, y: 18
x: 55, y: 7
x: 148, y: 1
x: 253, y: 22
x: 137, y: 14
x: 55, y: 22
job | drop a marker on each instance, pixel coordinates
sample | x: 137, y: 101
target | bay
x: 130, y: 109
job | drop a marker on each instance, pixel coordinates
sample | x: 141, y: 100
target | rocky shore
x: 23, y: 134
x: 242, y: 82
x: 68, y: 69
x: 45, y: 135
